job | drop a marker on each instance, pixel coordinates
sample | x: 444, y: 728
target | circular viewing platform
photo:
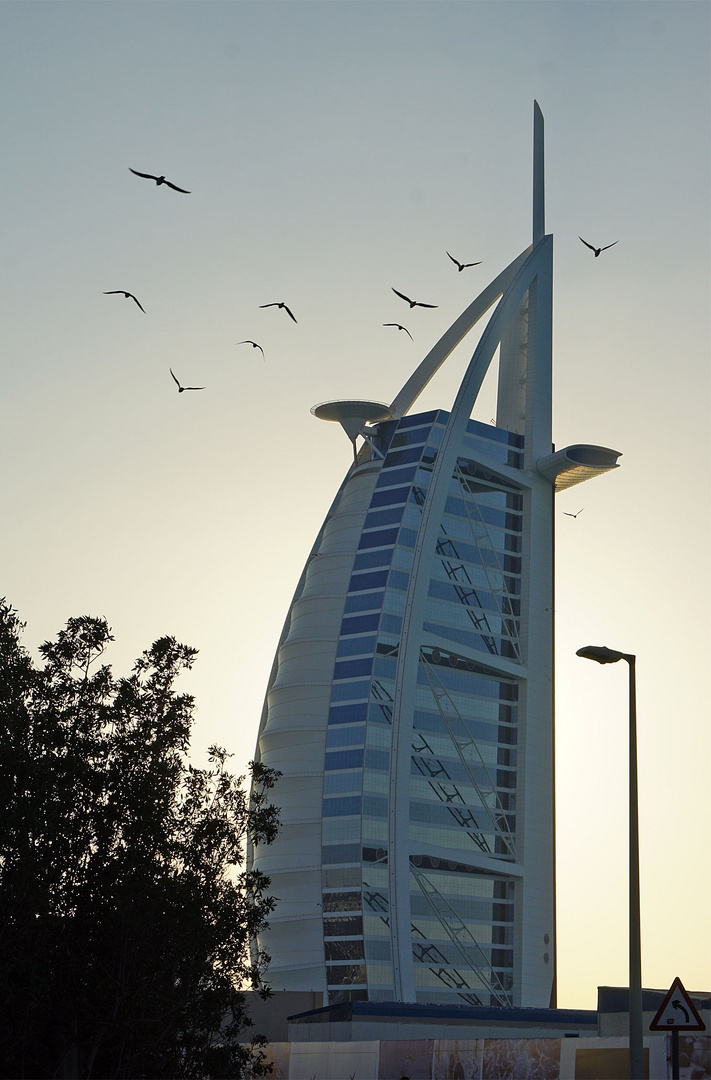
x: 353, y: 413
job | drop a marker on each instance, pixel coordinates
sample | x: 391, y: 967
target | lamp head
x: 601, y: 654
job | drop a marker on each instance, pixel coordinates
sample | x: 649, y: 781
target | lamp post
x: 603, y: 655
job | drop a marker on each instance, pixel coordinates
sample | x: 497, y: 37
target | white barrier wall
x: 479, y: 1059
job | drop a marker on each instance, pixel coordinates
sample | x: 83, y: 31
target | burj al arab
x: 410, y: 708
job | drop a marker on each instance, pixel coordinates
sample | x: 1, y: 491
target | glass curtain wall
x: 463, y: 763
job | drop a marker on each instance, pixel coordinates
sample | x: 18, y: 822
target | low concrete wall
x: 474, y: 1059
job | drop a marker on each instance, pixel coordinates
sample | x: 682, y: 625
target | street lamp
x: 602, y: 655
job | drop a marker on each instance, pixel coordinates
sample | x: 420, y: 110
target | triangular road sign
x: 677, y: 1012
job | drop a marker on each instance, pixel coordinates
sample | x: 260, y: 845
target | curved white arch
x: 437, y: 355
x: 538, y: 262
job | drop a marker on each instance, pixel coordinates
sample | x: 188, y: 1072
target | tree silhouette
x: 127, y: 923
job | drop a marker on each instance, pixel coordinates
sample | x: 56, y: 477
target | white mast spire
x: 539, y: 193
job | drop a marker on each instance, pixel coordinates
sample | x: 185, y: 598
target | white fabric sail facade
x: 410, y: 707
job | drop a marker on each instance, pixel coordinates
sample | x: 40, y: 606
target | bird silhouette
x: 413, y: 303
x: 463, y: 266
x: 254, y: 346
x: 280, y: 304
x: 573, y: 515
x: 598, y: 250
x: 400, y: 328
x: 159, y: 180
x: 182, y: 389
x: 128, y: 295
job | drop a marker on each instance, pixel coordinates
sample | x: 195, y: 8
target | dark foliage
x: 125, y: 919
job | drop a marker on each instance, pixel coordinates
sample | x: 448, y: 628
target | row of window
x: 465, y: 594
x: 437, y: 812
x: 504, y: 519
x: 479, y: 479
x: 456, y: 509
x: 468, y: 909
x: 352, y: 669
x: 423, y: 952
x: 373, y: 586
x: 356, y: 646
x: 476, y: 428
x: 417, y: 437
x: 450, y: 769
x: 471, y: 683
x: 465, y: 729
x: 471, y: 638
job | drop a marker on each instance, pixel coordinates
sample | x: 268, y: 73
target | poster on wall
x: 527, y: 1059
x: 694, y: 1057
x: 457, y: 1059
x: 409, y: 1059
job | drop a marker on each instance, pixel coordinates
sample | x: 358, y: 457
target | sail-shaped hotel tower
x: 410, y: 706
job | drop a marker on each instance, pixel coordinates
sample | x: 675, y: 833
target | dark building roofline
x: 379, y: 1010
x: 615, y: 999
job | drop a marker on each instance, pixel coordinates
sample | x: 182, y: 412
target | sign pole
x: 676, y: 1013
x: 675, y: 1053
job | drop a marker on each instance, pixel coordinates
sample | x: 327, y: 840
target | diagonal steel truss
x: 461, y: 938
x: 488, y: 794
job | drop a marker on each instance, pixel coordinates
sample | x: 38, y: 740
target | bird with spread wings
x: 413, y: 303
x: 254, y: 345
x: 128, y: 296
x: 600, y: 249
x: 281, y: 304
x: 159, y: 180
x: 400, y: 327
x: 182, y: 389
x: 463, y: 266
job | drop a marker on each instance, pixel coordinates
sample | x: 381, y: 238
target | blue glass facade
x: 462, y: 773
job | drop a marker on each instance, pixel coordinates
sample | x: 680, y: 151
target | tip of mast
x: 539, y: 204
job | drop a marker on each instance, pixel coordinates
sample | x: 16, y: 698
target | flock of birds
x: 161, y: 180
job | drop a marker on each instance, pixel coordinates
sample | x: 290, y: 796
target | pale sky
x: 333, y: 151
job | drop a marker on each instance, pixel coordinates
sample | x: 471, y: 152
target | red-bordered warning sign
x: 677, y: 1012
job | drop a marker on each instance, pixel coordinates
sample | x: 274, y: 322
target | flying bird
x: 413, y: 303
x: 574, y: 515
x: 254, y: 346
x: 598, y: 250
x: 181, y: 389
x: 400, y: 328
x: 280, y: 304
x: 128, y: 295
x: 159, y: 180
x: 463, y: 266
